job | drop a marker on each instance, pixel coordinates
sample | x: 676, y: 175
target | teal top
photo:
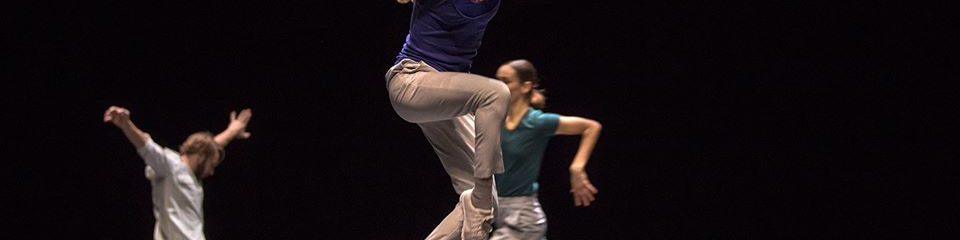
x: 523, y: 149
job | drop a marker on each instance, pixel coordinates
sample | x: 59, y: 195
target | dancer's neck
x: 517, y: 109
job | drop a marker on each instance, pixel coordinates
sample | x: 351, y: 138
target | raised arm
x: 580, y: 185
x: 236, y: 129
x: 120, y: 117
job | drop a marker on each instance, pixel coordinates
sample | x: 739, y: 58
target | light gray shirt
x: 177, y: 194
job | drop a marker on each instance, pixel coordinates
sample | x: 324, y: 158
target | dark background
x: 722, y: 120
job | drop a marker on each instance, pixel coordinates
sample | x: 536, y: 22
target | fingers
x: 585, y: 198
x: 245, y: 114
x: 115, y: 112
x: 583, y: 194
x: 107, y: 115
x: 582, y: 199
x: 589, y: 191
x: 119, y: 113
x: 576, y: 197
x: 244, y: 135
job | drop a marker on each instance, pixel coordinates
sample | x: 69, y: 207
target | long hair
x: 526, y: 72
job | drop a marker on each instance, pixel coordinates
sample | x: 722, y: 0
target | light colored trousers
x: 461, y: 115
x: 520, y: 218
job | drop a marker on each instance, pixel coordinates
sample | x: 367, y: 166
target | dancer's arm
x: 120, y: 117
x: 152, y: 154
x: 580, y: 185
x: 236, y: 129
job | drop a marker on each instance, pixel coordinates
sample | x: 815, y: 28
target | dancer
x: 175, y: 176
x: 460, y: 113
x: 524, y: 139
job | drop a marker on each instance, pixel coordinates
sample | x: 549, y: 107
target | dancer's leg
x: 453, y: 141
x: 419, y: 94
x: 449, y: 228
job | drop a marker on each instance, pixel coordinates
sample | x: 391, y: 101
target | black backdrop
x: 722, y: 120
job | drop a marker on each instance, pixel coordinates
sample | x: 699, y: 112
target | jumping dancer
x: 461, y: 114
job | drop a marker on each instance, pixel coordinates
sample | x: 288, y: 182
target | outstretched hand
x: 238, y: 123
x: 116, y: 115
x: 582, y: 189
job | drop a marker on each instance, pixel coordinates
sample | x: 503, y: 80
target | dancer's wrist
x: 574, y: 169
